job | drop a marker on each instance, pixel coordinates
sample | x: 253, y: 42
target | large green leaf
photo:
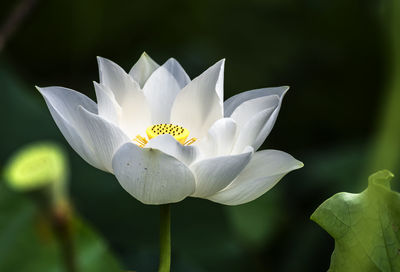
x: 365, y: 227
x: 28, y: 244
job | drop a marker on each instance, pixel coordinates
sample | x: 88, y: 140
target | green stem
x: 165, y: 238
x: 387, y: 145
x: 54, y: 204
x: 61, y: 220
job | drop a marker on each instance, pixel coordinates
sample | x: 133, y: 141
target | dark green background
x: 334, y: 54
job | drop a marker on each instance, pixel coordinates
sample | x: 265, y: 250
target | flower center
x: 178, y: 132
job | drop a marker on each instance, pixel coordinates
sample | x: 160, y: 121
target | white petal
x: 250, y: 106
x: 135, y: 112
x: 245, y: 111
x: 107, y: 105
x: 220, y: 138
x: 167, y: 144
x: 143, y: 68
x: 249, y: 133
x: 65, y: 101
x: 160, y: 90
x: 173, y: 66
x: 251, y: 117
x: 268, y: 126
x: 198, y: 105
x: 152, y: 176
x: 232, y: 103
x: 212, y: 175
x: 219, y: 86
x: 115, y: 78
x: 104, y: 137
x: 265, y: 169
x: 63, y: 104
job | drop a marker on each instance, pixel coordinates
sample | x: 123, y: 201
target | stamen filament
x: 140, y: 140
x: 190, y: 141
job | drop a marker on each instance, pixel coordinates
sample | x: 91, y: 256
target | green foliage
x: 365, y: 227
x: 28, y: 244
x: 255, y: 222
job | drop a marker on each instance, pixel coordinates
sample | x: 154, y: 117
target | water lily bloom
x: 166, y: 137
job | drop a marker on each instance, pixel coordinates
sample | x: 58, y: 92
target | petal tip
x: 172, y: 59
x: 285, y: 90
x: 101, y: 60
x: 81, y: 109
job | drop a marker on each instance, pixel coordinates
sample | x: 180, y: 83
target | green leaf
x: 365, y: 227
x: 28, y: 244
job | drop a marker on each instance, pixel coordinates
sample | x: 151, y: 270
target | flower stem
x: 61, y: 221
x: 165, y: 238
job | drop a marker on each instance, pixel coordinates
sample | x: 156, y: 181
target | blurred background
x: 341, y: 116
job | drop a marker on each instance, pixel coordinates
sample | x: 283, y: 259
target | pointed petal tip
x: 284, y: 91
x: 96, y: 84
x: 101, y: 60
x: 300, y: 165
x: 171, y: 60
x: 146, y: 56
x: 295, y: 163
x: 81, y: 109
x: 221, y: 62
x: 40, y: 90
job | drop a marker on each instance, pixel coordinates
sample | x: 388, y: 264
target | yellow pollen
x: 178, y: 132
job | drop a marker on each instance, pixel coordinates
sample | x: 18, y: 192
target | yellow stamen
x: 140, y: 140
x: 190, y: 141
x: 178, y: 132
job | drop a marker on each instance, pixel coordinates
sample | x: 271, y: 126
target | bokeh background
x: 341, y: 116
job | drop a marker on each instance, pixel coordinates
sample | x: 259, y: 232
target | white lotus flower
x: 207, y: 150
